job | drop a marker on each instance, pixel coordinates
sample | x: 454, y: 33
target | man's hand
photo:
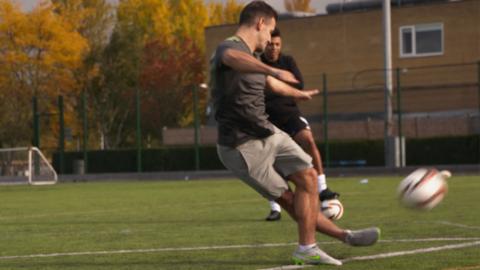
x: 284, y: 75
x: 306, y: 94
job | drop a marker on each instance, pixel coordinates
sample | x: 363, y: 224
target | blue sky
x: 319, y: 5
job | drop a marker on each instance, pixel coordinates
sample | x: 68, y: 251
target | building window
x: 421, y: 40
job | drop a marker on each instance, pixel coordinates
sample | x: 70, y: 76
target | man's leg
x: 305, y: 204
x: 365, y: 237
x: 322, y: 224
x: 305, y: 139
x: 305, y: 207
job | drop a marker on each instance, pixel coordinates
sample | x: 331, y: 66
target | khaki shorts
x: 265, y: 164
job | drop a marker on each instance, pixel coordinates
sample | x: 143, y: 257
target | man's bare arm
x: 284, y: 89
x: 244, y: 62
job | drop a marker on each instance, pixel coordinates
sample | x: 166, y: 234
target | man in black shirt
x: 284, y: 113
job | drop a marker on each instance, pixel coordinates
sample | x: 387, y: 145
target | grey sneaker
x: 365, y: 237
x: 313, y: 255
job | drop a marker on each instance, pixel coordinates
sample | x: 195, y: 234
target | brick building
x: 436, y: 45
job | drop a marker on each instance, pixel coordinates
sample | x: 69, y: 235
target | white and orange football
x: 332, y: 209
x: 424, y: 188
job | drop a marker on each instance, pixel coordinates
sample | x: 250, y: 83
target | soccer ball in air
x: 332, y: 209
x: 424, y: 188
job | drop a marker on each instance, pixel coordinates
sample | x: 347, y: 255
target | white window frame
x: 432, y: 26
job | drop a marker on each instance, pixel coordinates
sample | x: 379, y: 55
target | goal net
x: 25, y: 165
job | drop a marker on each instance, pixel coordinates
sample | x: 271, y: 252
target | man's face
x: 273, y: 49
x: 265, y: 28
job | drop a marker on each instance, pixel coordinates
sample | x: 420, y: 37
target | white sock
x: 322, y: 183
x: 275, y: 206
x: 302, y: 248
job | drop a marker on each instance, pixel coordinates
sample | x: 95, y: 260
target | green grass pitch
x: 218, y: 224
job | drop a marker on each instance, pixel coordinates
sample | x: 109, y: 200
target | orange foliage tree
x: 39, y: 52
x: 298, y: 5
x: 181, y: 26
x: 227, y: 13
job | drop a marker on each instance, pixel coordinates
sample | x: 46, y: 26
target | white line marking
x: 438, y: 239
x: 267, y: 245
x: 434, y: 239
x: 464, y: 268
x: 149, y: 250
x: 415, y: 251
x: 288, y: 267
x: 387, y: 255
x: 458, y: 225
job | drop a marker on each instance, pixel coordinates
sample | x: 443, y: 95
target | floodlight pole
x: 389, y: 139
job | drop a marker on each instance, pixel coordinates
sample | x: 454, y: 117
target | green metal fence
x: 349, y: 107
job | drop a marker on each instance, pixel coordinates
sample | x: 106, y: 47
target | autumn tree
x: 94, y: 20
x: 65, y: 47
x: 158, y: 47
x: 39, y: 51
x: 227, y: 13
x: 180, y: 25
x: 113, y: 93
x: 298, y: 5
x: 167, y: 83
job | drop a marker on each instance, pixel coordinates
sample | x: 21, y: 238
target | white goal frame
x: 30, y: 173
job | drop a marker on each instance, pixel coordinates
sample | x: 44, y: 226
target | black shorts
x: 294, y: 125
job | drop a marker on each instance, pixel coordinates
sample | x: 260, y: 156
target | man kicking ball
x: 261, y: 155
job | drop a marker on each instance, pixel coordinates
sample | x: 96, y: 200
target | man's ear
x: 260, y: 22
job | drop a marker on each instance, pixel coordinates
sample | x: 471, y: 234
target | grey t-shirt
x: 239, y: 99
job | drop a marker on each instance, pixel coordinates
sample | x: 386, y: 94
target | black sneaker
x: 274, y: 216
x: 327, y: 194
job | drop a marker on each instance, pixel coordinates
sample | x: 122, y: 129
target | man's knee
x: 305, y: 179
x: 286, y: 199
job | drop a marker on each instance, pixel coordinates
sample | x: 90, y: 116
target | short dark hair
x: 256, y: 9
x: 276, y: 33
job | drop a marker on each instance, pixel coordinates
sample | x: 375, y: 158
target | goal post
x: 26, y: 165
